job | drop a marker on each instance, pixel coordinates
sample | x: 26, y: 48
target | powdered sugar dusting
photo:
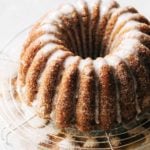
x: 126, y: 48
x: 70, y: 60
x: 67, y: 9
x: 51, y: 17
x: 112, y: 60
x: 80, y: 5
x: 123, y: 18
x: 46, y: 37
x: 67, y: 143
x: 83, y: 63
x: 90, y: 143
x: 105, y: 5
x: 48, y: 28
x: 136, y: 34
x: 56, y: 55
x: 130, y: 24
x: 48, y: 48
x: 98, y: 64
x: 92, y: 4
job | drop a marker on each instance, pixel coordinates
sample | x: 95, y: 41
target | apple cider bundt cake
x: 86, y: 66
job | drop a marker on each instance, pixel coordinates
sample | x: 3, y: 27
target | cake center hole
x: 86, y: 45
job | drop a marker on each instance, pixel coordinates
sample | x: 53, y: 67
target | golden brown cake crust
x: 85, y: 103
x: 107, y: 98
x: 126, y: 91
x: 66, y: 100
x: 39, y: 62
x: 47, y: 87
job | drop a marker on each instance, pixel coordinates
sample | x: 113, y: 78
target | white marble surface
x: 15, y: 15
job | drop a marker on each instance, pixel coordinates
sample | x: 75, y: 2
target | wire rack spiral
x: 15, y: 129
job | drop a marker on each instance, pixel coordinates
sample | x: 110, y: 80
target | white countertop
x: 15, y: 15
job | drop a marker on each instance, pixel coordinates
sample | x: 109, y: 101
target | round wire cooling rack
x: 17, y: 133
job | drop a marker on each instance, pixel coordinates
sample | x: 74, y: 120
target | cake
x: 86, y: 66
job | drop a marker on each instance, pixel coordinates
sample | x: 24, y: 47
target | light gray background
x: 15, y: 15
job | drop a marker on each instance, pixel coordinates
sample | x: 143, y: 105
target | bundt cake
x: 86, y: 66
